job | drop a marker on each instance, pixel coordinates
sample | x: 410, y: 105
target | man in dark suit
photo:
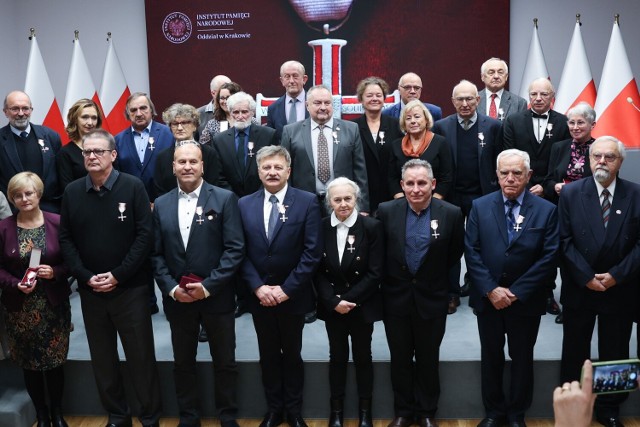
x: 28, y: 147
x: 207, y: 110
x: 284, y: 246
x: 535, y: 131
x: 510, y: 248
x: 474, y: 141
x: 237, y: 146
x: 106, y: 237
x: 198, y: 233
x: 424, y: 238
x: 495, y: 101
x: 323, y: 148
x: 410, y: 88
x: 600, y: 235
x: 138, y: 146
x: 290, y: 107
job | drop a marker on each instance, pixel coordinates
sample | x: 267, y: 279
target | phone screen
x: 615, y: 377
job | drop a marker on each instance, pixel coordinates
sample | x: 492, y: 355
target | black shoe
x: 464, y: 289
x: 156, y: 424
x: 401, y: 422
x: 272, y: 419
x: 202, y: 336
x: 125, y: 424
x: 336, y: 417
x: 154, y: 309
x: 552, y: 306
x: 310, y: 317
x: 490, y: 422
x: 610, y: 422
x: 57, y: 420
x: 559, y: 319
x: 296, y: 421
x: 240, y: 310
x: 365, y: 418
x: 454, y: 302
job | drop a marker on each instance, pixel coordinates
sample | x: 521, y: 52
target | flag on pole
x: 576, y: 83
x: 80, y: 84
x: 38, y: 86
x: 535, y: 67
x: 114, y: 90
x: 617, y: 102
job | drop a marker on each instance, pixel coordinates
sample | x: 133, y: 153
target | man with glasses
x: 25, y: 146
x: 410, y: 88
x: 290, y: 107
x: 535, y: 131
x: 474, y: 141
x: 599, y: 230
x: 495, y: 101
x: 106, y: 237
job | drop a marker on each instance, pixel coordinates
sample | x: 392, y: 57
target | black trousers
x: 126, y: 315
x: 339, y: 329
x: 185, y: 327
x: 416, y: 386
x: 280, y: 343
x: 521, y: 333
x: 614, y: 333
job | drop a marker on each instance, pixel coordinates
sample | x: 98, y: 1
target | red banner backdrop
x: 443, y: 41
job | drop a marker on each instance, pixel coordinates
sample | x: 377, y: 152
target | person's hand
x: 103, y: 282
x: 558, y: 187
x: 279, y: 294
x: 501, y: 297
x: 595, y: 285
x: 266, y: 296
x: 183, y: 295
x: 45, y: 272
x: 27, y: 289
x: 537, y: 190
x: 606, y: 279
x: 344, y: 307
x: 196, y: 291
x: 572, y: 404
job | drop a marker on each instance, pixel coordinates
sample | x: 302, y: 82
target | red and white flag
x: 114, y: 91
x: 618, y: 91
x: 80, y: 84
x: 38, y: 87
x: 576, y: 84
x: 535, y: 67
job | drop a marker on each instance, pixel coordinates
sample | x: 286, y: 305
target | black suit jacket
x: 518, y: 133
x: 277, y: 116
x: 376, y: 157
x: 214, y: 251
x: 487, y: 151
x: 588, y: 248
x: 428, y: 289
x: 559, y: 160
x: 10, y: 164
x: 165, y: 180
x: 231, y: 174
x: 358, y: 278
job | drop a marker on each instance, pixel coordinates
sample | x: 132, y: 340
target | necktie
x: 606, y: 207
x: 511, y: 220
x: 273, y: 217
x: 493, y: 111
x: 240, y: 151
x: 324, y: 170
x: 539, y: 116
x: 293, y: 111
x: 24, y: 134
x: 466, y: 124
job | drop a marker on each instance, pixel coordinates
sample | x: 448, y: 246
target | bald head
x: 216, y: 82
x: 410, y: 87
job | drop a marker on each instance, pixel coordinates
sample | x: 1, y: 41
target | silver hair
x: 273, y: 150
x: 342, y: 181
x: 485, y: 64
x: 417, y: 163
x: 583, y: 110
x: 621, y: 148
x: 241, y: 97
x: 515, y: 152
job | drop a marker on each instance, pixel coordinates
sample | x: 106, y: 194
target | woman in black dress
x: 38, y: 314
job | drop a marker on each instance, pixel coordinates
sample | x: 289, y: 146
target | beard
x: 602, y: 175
x: 242, y: 125
x: 20, y: 123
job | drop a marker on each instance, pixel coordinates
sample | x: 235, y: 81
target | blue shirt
x: 418, y: 237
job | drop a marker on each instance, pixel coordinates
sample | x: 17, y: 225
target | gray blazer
x: 510, y: 103
x: 348, y: 156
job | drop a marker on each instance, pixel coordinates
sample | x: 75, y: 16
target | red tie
x: 493, y: 111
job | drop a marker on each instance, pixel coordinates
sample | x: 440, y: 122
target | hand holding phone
x: 615, y: 376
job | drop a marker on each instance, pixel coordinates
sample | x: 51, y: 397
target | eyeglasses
x: 15, y: 110
x: 27, y: 194
x: 609, y: 157
x: 411, y: 88
x: 98, y: 152
x: 183, y: 123
x: 462, y: 99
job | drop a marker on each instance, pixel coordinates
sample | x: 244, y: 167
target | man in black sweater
x: 106, y: 239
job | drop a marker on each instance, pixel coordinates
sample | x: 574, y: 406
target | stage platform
x: 459, y: 371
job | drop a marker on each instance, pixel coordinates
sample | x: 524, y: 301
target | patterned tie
x: 240, y: 151
x: 324, y: 168
x: 606, y: 207
x: 466, y: 124
x: 24, y: 135
x: 511, y: 220
x: 273, y: 217
x: 293, y: 111
x: 493, y: 111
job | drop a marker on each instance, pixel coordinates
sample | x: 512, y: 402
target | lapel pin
x: 434, y: 227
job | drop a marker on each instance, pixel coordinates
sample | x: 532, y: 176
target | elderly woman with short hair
x: 348, y: 283
x: 38, y: 313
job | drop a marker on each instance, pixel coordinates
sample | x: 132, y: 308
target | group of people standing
x: 363, y: 221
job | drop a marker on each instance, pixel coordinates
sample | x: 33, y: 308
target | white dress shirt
x: 342, y: 230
